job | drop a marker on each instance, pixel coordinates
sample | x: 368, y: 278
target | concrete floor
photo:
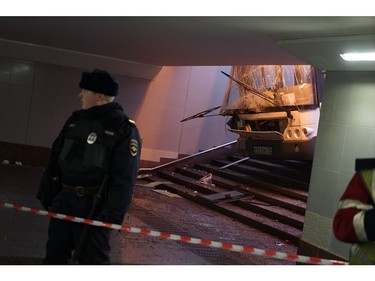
x: 23, y: 235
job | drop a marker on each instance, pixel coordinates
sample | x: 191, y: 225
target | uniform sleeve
x: 122, y: 176
x: 355, y: 217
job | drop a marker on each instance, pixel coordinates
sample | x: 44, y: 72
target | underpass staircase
x: 269, y: 195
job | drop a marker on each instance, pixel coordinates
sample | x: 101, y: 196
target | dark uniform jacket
x: 93, y: 143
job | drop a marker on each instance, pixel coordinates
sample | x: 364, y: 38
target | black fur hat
x: 99, y: 81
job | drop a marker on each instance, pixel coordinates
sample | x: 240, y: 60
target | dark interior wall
x: 37, y: 98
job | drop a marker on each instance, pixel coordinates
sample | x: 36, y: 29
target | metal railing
x: 186, y: 158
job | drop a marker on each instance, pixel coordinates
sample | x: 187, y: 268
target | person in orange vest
x: 354, y: 221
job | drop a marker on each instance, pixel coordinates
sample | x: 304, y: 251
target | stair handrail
x: 151, y: 169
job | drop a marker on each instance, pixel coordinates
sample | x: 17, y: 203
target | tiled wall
x: 346, y: 132
x: 16, y: 86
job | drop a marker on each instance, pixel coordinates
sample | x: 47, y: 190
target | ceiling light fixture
x: 358, y: 56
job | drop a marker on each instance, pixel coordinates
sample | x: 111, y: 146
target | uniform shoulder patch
x: 133, y: 147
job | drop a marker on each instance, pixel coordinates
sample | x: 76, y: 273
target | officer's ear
x: 100, y: 97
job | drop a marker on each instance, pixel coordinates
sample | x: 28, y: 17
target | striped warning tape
x: 179, y: 238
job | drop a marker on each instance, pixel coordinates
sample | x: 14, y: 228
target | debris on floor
x: 166, y: 193
x: 207, y: 179
x: 152, y: 184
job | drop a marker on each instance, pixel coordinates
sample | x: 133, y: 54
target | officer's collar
x: 98, y: 110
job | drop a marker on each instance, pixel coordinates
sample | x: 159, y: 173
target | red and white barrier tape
x: 179, y: 238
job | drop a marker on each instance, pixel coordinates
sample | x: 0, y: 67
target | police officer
x: 91, y: 173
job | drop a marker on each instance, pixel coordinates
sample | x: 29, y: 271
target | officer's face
x: 88, y: 98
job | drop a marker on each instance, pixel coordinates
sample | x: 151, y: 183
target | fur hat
x: 99, y: 81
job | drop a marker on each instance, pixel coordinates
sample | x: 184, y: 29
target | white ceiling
x: 188, y: 41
